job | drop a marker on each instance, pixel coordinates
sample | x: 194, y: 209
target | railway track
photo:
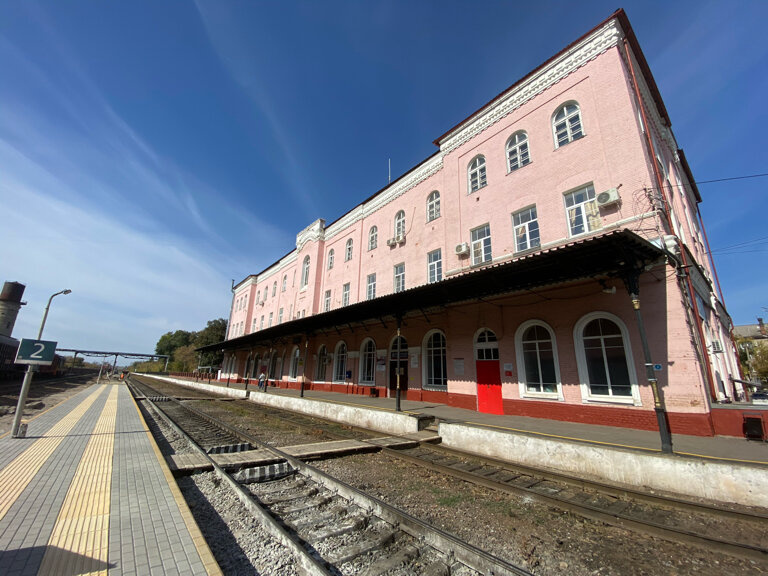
x: 331, y: 527
x: 675, y: 520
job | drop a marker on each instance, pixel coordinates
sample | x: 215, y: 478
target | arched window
x: 272, y: 372
x: 255, y: 366
x: 486, y: 346
x: 435, y: 362
x: 368, y: 362
x: 537, y: 366
x: 476, y: 174
x: 517, y: 151
x: 566, y: 124
x: 340, y: 363
x: 274, y: 290
x: 604, y: 358
x: 285, y: 282
x: 322, y: 363
x: 348, y: 251
x: 295, y: 356
x: 331, y: 254
x: 400, y: 224
x: 433, y: 206
x: 305, y: 272
x: 373, y: 236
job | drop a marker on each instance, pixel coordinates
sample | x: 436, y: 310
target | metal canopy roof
x: 614, y: 254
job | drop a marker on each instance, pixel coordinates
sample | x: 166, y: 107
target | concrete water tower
x: 10, y: 304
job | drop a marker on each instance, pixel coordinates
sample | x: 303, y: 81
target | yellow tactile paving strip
x: 79, y: 542
x: 206, y: 556
x: 15, y: 477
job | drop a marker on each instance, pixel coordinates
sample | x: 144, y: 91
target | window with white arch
x: 433, y: 206
x: 340, y: 362
x: 331, y: 255
x: 486, y: 345
x: 566, y: 124
x: 348, y: 251
x: 305, y: 272
x: 295, y: 356
x: 517, y: 151
x: 373, y: 237
x: 368, y: 362
x: 400, y: 224
x: 435, y: 361
x: 322, y: 363
x: 476, y: 174
x: 538, y: 369
x: 604, y: 358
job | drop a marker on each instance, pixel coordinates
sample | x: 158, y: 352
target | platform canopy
x: 616, y: 254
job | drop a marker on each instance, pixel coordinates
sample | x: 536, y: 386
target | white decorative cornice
x: 408, y: 181
x: 311, y: 233
x: 553, y: 72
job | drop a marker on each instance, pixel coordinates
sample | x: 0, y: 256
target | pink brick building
x: 526, y: 265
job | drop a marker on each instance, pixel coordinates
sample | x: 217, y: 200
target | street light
x: 28, y: 375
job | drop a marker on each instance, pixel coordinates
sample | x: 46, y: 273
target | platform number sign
x: 39, y: 352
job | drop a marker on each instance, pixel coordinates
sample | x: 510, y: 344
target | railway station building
x: 548, y: 260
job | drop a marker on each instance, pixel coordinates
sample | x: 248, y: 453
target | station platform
x: 88, y: 492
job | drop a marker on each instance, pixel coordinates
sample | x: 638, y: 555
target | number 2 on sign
x: 38, y: 354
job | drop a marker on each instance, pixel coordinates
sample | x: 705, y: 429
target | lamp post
x: 28, y: 375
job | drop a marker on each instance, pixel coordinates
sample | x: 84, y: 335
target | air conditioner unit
x: 717, y: 346
x: 391, y: 241
x: 610, y: 196
x: 400, y: 239
x: 462, y: 249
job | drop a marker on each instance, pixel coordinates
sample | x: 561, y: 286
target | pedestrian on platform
x: 263, y: 381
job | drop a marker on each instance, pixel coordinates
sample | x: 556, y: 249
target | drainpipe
x: 696, y: 316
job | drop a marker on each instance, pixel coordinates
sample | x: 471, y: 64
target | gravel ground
x: 543, y: 539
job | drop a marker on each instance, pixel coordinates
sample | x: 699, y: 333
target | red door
x: 489, y: 387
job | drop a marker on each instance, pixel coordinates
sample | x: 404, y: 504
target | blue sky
x: 150, y: 152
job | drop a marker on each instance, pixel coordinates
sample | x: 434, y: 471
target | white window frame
x: 400, y: 224
x: 285, y: 283
x: 274, y: 290
x: 486, y: 344
x: 348, y: 250
x: 435, y: 266
x: 370, y: 286
x: 331, y: 254
x: 280, y: 316
x: 518, y: 152
x: 520, y: 354
x: 569, y: 127
x: 269, y: 324
x: 399, y: 277
x: 427, y: 350
x: 327, y: 301
x: 340, y: 362
x: 373, y: 238
x: 583, y: 209
x: 261, y: 322
x: 481, y: 245
x: 581, y: 362
x: 433, y: 206
x: 305, y: 272
x: 345, y: 294
x: 526, y: 229
x: 368, y: 362
x: 476, y: 174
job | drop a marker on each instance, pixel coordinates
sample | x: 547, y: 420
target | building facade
x: 548, y: 260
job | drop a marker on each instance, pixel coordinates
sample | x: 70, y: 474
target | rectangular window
x: 327, y: 303
x: 581, y: 210
x: 400, y: 277
x: 345, y: 295
x: 253, y: 325
x: 435, y: 266
x: 280, y: 316
x: 270, y: 320
x: 371, y: 290
x: 526, y: 227
x: 261, y: 323
x: 481, y: 244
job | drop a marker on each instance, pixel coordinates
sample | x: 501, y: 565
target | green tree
x: 214, y: 332
x: 184, y: 359
x: 760, y: 360
x: 170, y: 341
